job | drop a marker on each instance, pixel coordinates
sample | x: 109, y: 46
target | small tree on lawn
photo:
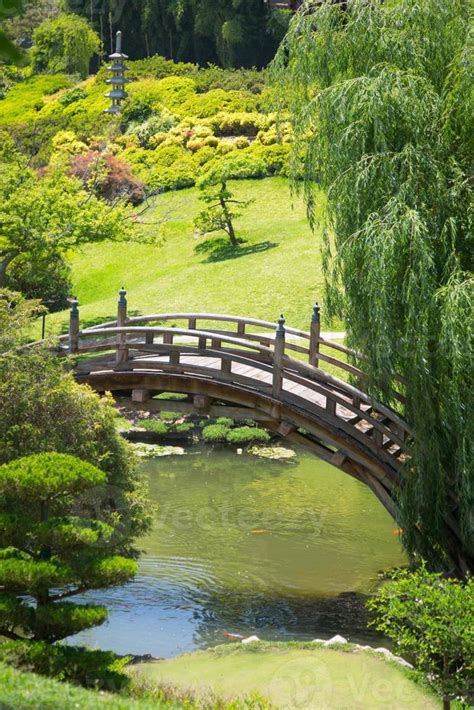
x: 222, y: 207
x: 430, y: 620
x: 55, y: 543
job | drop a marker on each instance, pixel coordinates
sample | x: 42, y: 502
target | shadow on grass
x: 220, y: 249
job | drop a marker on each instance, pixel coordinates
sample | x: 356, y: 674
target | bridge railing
x: 308, y: 345
x: 135, y: 344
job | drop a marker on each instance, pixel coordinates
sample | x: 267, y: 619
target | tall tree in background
x: 229, y: 33
x: 381, y: 103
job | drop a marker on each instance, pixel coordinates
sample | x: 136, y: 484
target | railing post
x: 279, y: 352
x: 122, y: 350
x: 74, y: 326
x: 315, y: 334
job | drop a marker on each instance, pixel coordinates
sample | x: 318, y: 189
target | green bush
x: 224, y: 421
x: 238, y: 164
x: 78, y: 665
x: 48, y: 279
x: 215, y: 433
x: 42, y: 408
x: 184, y: 427
x: 214, y: 77
x: 247, y: 435
x: 158, y: 123
x: 154, y: 425
x: 21, y: 103
x: 64, y: 44
x: 236, y: 124
x: 157, y: 67
x: 73, y: 95
x: 169, y: 416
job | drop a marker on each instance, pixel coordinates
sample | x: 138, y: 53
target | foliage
x: 220, y: 212
x: 64, y: 44
x: 39, y: 218
x: 43, y: 409
x: 20, y: 28
x: 108, y: 177
x: 430, y: 620
x: 8, y: 50
x: 60, y: 536
x: 24, y: 100
x: 247, y: 435
x: 81, y: 666
x: 47, y: 279
x: 16, y: 313
x: 222, y: 206
x: 379, y: 101
x: 215, y: 433
x: 244, y: 33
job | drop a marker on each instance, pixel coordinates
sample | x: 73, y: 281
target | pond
x: 242, y: 545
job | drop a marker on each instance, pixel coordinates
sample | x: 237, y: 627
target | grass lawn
x: 25, y: 691
x: 294, y: 676
x: 278, y: 269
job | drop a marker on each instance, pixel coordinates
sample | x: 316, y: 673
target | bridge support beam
x: 140, y: 395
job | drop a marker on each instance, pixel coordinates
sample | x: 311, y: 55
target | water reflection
x: 281, y: 549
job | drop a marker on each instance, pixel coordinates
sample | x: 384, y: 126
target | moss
x: 247, y: 435
x: 215, y: 433
x: 154, y: 425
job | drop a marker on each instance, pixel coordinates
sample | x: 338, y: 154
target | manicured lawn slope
x: 294, y: 676
x: 277, y: 270
x: 22, y: 691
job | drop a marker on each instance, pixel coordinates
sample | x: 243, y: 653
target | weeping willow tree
x: 381, y: 103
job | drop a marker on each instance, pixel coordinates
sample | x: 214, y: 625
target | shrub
x: 229, y: 79
x: 237, y: 164
x: 429, y: 618
x: 67, y: 142
x: 236, y: 124
x: 43, y: 409
x: 204, y: 155
x: 48, y: 279
x: 157, y: 124
x: 247, y: 435
x: 154, y: 425
x: 215, y: 433
x: 241, y: 142
x: 170, y: 416
x: 108, y: 177
x: 157, y: 67
x: 82, y: 666
x: 65, y: 44
x: 184, y: 427
x: 224, y: 421
x: 61, y: 534
x: 73, y: 95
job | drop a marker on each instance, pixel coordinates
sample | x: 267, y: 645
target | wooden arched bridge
x: 246, y: 368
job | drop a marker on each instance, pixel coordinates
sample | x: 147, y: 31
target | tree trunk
x: 5, y: 261
x: 446, y: 703
x: 228, y: 219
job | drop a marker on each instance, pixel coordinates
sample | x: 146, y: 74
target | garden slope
x: 276, y: 270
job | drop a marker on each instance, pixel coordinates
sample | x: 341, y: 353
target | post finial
x: 280, y: 329
x: 74, y: 310
x: 316, y: 313
x: 118, y: 42
x: 122, y: 297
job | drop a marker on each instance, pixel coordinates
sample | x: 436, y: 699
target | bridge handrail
x: 289, y: 365
x: 255, y: 322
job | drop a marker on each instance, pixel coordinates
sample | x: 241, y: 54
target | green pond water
x: 281, y: 549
